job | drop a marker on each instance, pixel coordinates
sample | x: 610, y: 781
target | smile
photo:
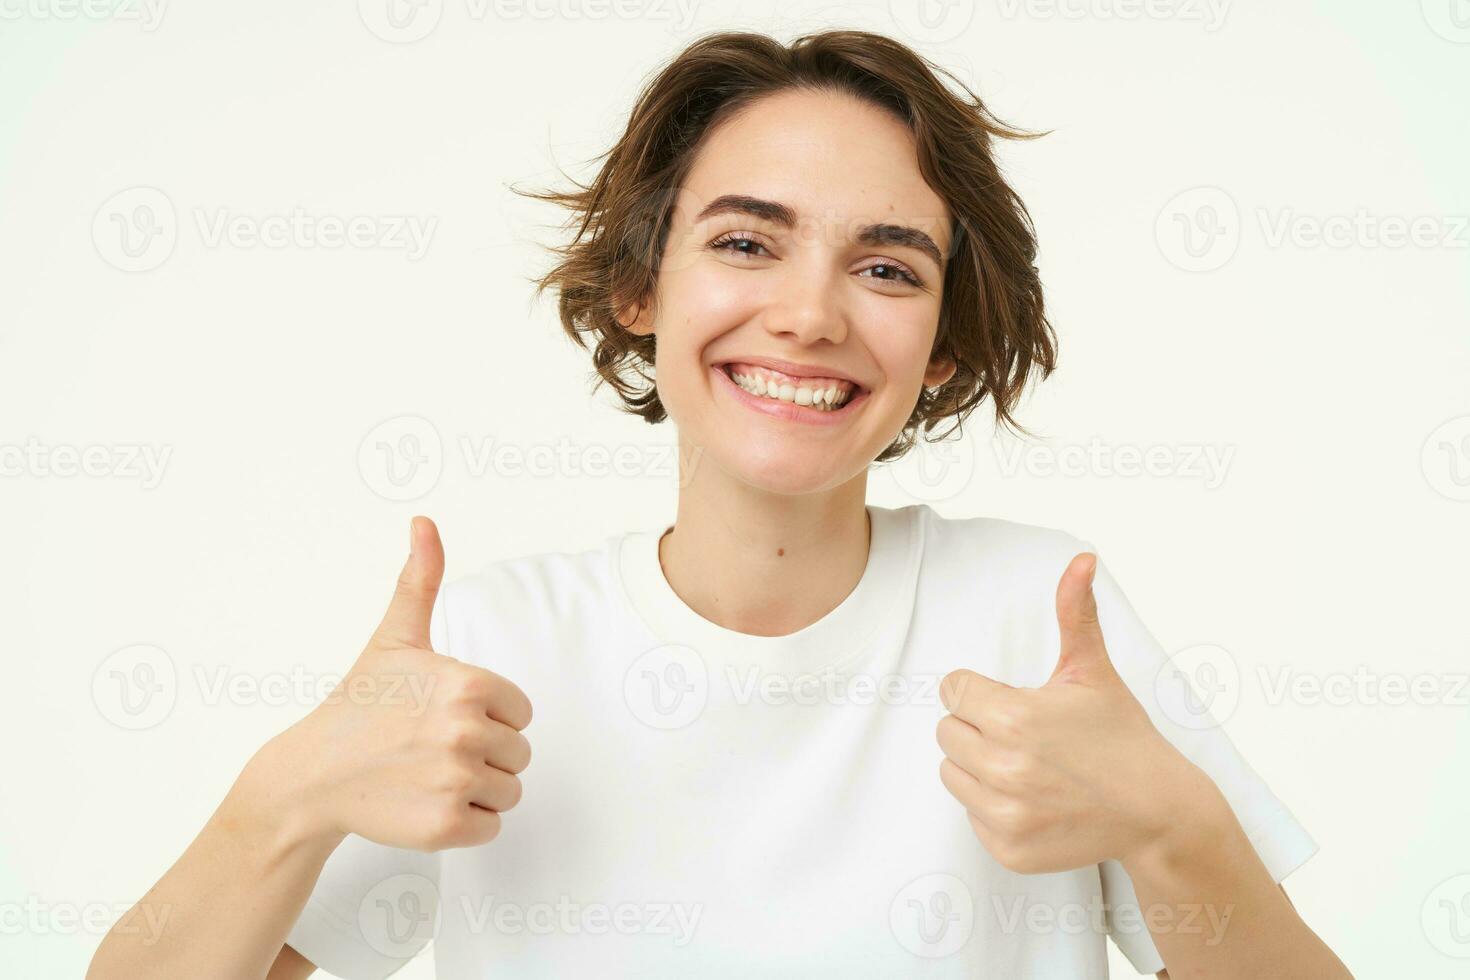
x: 789, y: 397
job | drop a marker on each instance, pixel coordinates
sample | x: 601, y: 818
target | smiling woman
x: 905, y: 144
x: 805, y: 256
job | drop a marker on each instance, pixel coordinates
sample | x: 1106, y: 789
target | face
x: 805, y: 261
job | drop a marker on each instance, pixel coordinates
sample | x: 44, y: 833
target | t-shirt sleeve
x: 1182, y: 712
x: 374, y: 907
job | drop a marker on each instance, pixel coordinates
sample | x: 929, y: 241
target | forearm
x: 1210, y: 904
x: 226, y: 906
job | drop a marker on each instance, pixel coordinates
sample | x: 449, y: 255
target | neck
x: 761, y: 563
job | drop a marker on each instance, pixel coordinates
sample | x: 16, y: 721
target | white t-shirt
x: 706, y: 803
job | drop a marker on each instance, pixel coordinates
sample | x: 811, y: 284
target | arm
x: 412, y: 750
x: 1162, y: 974
x: 1074, y: 773
x: 226, y: 906
x: 1204, y: 866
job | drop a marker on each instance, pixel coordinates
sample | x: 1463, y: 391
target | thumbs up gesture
x: 413, y: 749
x: 1068, y: 774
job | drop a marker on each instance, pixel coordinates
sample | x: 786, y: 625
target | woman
x: 811, y: 248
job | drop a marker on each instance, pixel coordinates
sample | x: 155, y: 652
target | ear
x: 940, y: 370
x: 634, y: 317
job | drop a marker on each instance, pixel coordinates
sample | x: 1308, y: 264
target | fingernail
x: 410, y: 536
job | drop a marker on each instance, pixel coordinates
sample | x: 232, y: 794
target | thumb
x: 406, y: 623
x: 1082, y: 646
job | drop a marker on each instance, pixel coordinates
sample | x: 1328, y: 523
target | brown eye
x: 899, y: 273
x: 737, y: 243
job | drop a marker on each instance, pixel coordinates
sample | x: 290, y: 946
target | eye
x: 902, y: 272
x: 736, y: 242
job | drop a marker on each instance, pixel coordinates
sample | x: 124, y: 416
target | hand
x: 413, y: 749
x: 1068, y: 774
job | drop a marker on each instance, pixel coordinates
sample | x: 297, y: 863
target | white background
x: 1331, y: 378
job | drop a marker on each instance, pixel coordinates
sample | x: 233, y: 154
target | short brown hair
x: 992, y: 323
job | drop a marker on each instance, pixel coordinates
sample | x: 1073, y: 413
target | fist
x: 1068, y: 774
x: 413, y: 749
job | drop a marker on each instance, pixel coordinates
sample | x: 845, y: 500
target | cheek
x: 900, y: 337
x: 702, y: 303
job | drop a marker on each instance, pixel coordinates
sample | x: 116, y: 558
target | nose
x: 806, y: 306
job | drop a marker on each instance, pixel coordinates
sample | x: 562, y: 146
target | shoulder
x: 993, y: 547
x: 525, y: 597
x: 545, y: 581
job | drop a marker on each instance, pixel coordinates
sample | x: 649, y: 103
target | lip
x: 787, y: 411
x: 794, y: 369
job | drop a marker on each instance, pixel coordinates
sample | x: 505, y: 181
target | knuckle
x: 456, y: 780
x: 511, y: 792
x: 460, y: 737
x: 517, y: 752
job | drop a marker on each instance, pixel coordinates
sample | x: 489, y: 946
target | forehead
x: 830, y: 156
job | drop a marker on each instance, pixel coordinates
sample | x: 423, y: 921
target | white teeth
x: 821, y: 399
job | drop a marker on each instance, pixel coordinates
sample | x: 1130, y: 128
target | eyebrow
x: 778, y: 213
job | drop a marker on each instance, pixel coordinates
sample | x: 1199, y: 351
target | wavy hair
x: 992, y: 321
